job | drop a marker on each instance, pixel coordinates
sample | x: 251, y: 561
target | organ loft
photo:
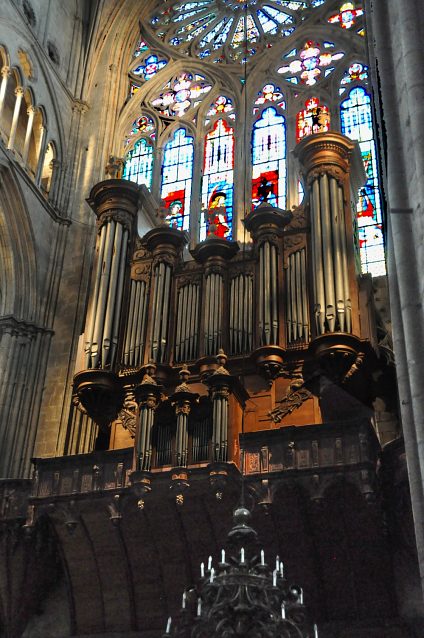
x: 207, y: 425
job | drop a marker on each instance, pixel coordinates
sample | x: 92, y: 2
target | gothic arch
x: 18, y: 273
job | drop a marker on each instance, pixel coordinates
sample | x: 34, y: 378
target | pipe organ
x: 288, y: 298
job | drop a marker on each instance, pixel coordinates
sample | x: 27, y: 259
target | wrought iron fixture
x: 242, y: 595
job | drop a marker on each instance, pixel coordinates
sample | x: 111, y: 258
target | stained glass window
x: 270, y: 93
x: 140, y: 48
x: 138, y: 165
x: 181, y: 93
x: 143, y: 125
x: 347, y: 15
x: 216, y: 29
x: 177, y: 175
x: 269, y: 159
x: 355, y: 73
x: 151, y: 65
x: 356, y: 123
x: 218, y: 180
x: 221, y: 105
x: 307, y: 68
x: 315, y: 118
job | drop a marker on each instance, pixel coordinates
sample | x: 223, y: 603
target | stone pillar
x: 31, y: 113
x: 214, y: 253
x: 5, y: 75
x: 220, y: 384
x: 115, y: 203
x: 19, y: 92
x: 333, y: 173
x: 183, y: 399
x: 147, y: 395
x: 166, y: 245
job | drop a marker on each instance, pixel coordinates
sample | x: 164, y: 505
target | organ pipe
x: 183, y: 399
x: 240, y: 316
x: 147, y: 396
x: 186, y: 323
x: 161, y: 297
x: 115, y: 203
x: 332, y: 167
x: 297, y: 298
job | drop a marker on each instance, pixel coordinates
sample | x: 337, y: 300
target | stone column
x: 115, y: 203
x: 19, y: 92
x: 183, y: 399
x: 214, y: 253
x: 5, y: 74
x: 166, y: 245
x: 147, y: 395
x: 333, y: 173
x: 31, y: 113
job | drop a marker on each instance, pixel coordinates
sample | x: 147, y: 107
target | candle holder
x: 242, y: 595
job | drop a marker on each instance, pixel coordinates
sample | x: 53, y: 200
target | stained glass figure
x: 143, y: 125
x: 177, y: 176
x: 151, y: 65
x: 216, y: 29
x: 138, y: 165
x: 270, y: 93
x: 181, y: 93
x: 269, y: 159
x: 218, y: 181
x: 347, y: 15
x: 356, y: 123
x: 315, y: 118
x: 307, y: 68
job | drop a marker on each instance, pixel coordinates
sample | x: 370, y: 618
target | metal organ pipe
x: 213, y: 312
x: 332, y: 166
x: 297, y: 300
x: 94, y: 299
x: 268, y: 296
x: 348, y: 303
x: 319, y: 295
x: 337, y: 227
x: 327, y: 251
x: 161, y: 298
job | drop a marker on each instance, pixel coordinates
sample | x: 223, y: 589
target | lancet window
x: 218, y: 179
x: 177, y: 177
x: 356, y: 123
x: 269, y: 159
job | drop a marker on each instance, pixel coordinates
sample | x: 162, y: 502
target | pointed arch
x: 269, y: 150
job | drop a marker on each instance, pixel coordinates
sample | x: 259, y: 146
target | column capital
x: 31, y: 110
x: 19, y: 91
x: 6, y: 72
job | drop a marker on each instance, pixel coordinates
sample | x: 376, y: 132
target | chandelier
x: 242, y: 595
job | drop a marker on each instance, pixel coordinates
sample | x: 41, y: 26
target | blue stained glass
x: 151, y: 66
x: 138, y: 165
x: 269, y: 174
x: 356, y: 123
x: 177, y: 175
x: 218, y: 179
